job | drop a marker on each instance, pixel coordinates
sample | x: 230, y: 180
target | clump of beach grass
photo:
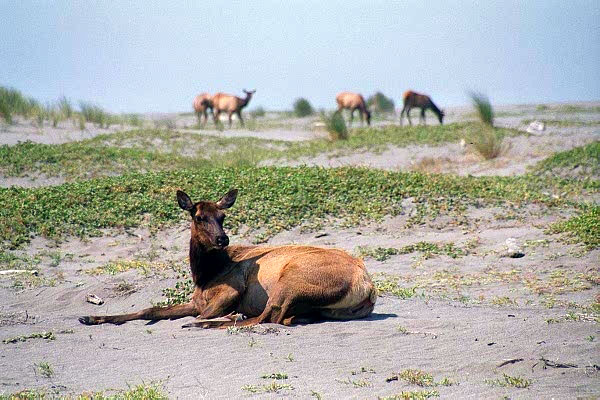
x: 487, y: 141
x: 335, y: 125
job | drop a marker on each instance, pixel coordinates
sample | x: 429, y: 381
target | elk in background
x: 417, y: 100
x: 202, y: 103
x: 352, y: 102
x: 279, y: 284
x: 230, y: 104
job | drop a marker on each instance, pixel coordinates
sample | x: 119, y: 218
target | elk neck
x: 206, y: 264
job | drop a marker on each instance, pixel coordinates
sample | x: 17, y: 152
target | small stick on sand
x: 511, y: 361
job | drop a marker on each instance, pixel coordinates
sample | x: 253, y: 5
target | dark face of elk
x: 368, y: 117
x: 441, y: 117
x: 207, y: 219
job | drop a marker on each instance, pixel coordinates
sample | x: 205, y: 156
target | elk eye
x: 199, y: 218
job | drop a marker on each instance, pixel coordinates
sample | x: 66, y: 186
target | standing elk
x: 230, y: 104
x: 280, y: 284
x: 202, y: 102
x: 352, y: 102
x: 417, y: 100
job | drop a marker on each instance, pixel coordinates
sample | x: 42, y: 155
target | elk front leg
x: 215, y: 303
x: 152, y: 314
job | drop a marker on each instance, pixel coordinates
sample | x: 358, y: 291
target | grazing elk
x: 417, y: 100
x: 230, y: 104
x: 352, y: 102
x: 279, y: 284
x: 202, y: 103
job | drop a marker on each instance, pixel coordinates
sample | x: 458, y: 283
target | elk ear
x: 227, y: 200
x: 184, y: 201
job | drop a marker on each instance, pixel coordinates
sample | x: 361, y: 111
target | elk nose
x: 222, y: 241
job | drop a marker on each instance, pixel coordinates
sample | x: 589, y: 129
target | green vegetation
x: 417, y: 377
x: 412, y: 395
x: 257, y: 112
x: 389, y: 285
x: 273, y: 387
x: 45, y: 369
x: 154, y: 150
x: 487, y: 141
x: 586, y: 158
x: 12, y: 102
x: 483, y: 108
x: 380, y: 103
x: 507, y: 380
x: 335, y: 125
x: 24, y: 338
x: 139, y: 392
x: 582, y: 228
x: 302, y: 108
x: 427, y: 248
x: 272, y: 199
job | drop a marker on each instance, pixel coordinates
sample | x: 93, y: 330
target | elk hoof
x: 88, y: 320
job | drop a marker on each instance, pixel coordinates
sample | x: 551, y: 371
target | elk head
x: 249, y: 93
x: 368, y: 113
x: 441, y: 117
x: 207, y: 219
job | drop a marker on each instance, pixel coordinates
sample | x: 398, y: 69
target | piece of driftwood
x: 19, y: 271
x: 511, y: 361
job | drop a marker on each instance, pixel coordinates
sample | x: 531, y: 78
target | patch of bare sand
x: 452, y: 329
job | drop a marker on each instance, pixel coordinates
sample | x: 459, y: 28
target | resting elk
x: 417, y: 100
x: 230, y: 104
x: 352, y: 102
x: 202, y: 102
x: 279, y: 284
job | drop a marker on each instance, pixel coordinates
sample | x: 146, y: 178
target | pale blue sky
x: 137, y: 56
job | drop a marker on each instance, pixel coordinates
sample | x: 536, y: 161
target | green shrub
x: 302, y: 108
x: 379, y: 102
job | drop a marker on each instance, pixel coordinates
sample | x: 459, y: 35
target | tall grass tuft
x: 487, y: 141
x: 65, y: 107
x: 12, y: 102
x: 94, y: 113
x: 302, y: 108
x: 335, y: 125
x: 483, y: 107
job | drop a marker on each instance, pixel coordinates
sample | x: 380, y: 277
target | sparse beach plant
x: 335, y: 125
x: 257, y: 112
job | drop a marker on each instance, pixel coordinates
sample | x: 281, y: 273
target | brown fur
x: 230, y: 104
x: 417, y: 100
x: 202, y: 103
x: 353, y: 101
x: 267, y: 284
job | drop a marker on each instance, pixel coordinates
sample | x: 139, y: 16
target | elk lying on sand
x: 202, y: 103
x: 417, y: 100
x: 230, y: 104
x: 280, y: 284
x: 352, y: 102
